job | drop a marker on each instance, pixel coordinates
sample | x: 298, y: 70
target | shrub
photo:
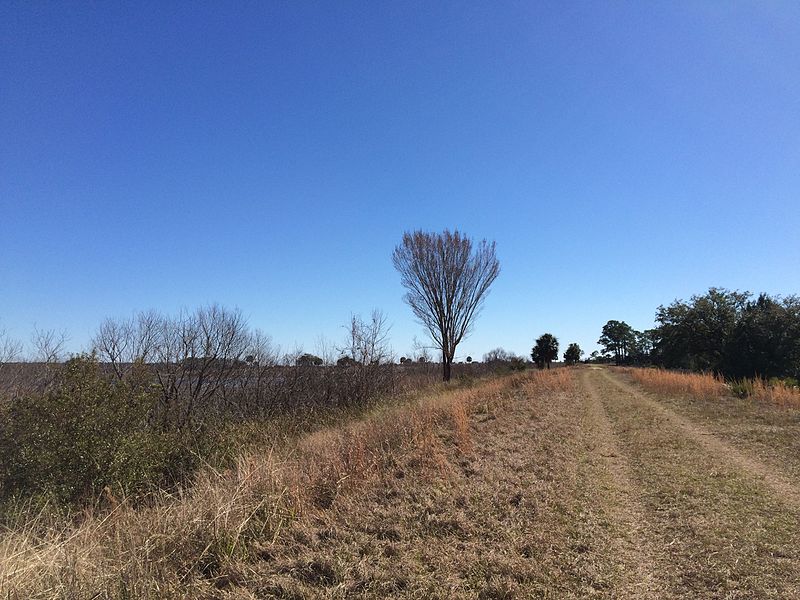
x: 85, y: 434
x: 517, y: 363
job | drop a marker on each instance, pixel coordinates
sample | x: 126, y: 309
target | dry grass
x: 699, y: 385
x: 773, y: 392
x: 721, y: 529
x: 706, y: 386
x: 199, y: 542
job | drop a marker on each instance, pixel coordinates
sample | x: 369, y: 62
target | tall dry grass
x: 193, y: 543
x: 699, y: 385
x: 707, y: 386
x: 776, y: 392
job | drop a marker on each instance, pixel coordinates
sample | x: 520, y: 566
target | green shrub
x: 786, y: 381
x: 86, y: 433
x: 741, y: 388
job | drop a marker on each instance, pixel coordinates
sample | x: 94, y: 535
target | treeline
x: 730, y: 333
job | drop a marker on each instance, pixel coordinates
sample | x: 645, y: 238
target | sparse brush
x: 458, y: 413
x: 179, y: 544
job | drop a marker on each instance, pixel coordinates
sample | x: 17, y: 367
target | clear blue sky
x: 269, y: 156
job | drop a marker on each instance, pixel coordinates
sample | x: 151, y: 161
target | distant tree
x: 644, y: 343
x: 308, y: 360
x: 765, y: 342
x: 693, y: 334
x: 545, y: 351
x: 497, y: 355
x: 446, y: 281
x: 469, y: 359
x: 402, y: 359
x: 49, y: 344
x: 367, y: 340
x: 573, y: 354
x: 422, y: 359
x: 517, y: 363
x: 346, y: 361
x: 618, y: 338
x: 10, y: 349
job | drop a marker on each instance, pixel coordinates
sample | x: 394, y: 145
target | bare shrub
x: 208, y: 364
x: 49, y: 345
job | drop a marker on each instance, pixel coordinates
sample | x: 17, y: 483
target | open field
x: 570, y: 483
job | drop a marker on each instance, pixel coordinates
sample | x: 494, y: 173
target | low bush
x: 86, y: 434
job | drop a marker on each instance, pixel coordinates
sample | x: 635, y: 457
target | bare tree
x: 367, y: 341
x: 48, y: 344
x: 10, y: 349
x: 446, y: 281
x: 10, y: 352
x: 121, y: 343
x: 366, y: 356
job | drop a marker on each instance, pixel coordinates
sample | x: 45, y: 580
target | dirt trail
x: 783, y: 487
x: 635, y: 545
x: 710, y: 520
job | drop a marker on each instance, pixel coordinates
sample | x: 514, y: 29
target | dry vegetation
x: 569, y: 483
x: 700, y: 385
x: 707, y: 386
x: 767, y: 430
x: 722, y: 522
x: 208, y: 540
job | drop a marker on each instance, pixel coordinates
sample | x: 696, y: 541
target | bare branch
x: 49, y: 344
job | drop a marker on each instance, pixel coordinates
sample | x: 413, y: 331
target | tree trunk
x: 446, y: 364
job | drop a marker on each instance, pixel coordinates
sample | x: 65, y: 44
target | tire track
x: 635, y: 547
x: 780, y: 485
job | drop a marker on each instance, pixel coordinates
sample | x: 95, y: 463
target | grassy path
x: 780, y: 484
x: 727, y: 522
x: 598, y: 491
x: 634, y: 542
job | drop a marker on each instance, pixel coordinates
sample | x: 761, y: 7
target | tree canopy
x: 722, y: 331
x: 573, y: 354
x: 618, y: 338
x: 545, y: 350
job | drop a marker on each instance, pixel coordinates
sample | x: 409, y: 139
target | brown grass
x: 720, y: 526
x: 706, y: 386
x: 699, y: 385
x: 191, y: 543
x: 773, y: 392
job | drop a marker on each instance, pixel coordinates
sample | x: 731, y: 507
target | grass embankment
x: 219, y: 537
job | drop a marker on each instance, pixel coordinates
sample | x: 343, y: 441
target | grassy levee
x: 212, y: 538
